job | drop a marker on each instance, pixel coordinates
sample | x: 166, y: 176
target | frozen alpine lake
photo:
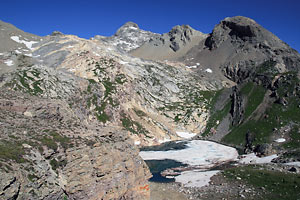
x: 198, y: 154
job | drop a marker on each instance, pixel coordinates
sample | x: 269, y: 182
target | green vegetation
x: 267, y: 68
x: 91, y: 82
x: 28, y: 83
x: 193, y: 100
x: 133, y: 126
x: 247, y: 88
x: 57, y: 164
x: 216, y: 117
x: 12, y: 150
x: 52, y: 138
x: 31, y: 177
x: 120, y: 79
x: 288, y: 83
x: 110, y: 86
x: 294, y: 139
x: 278, y: 185
x: 139, y: 113
x: 255, y: 98
x: 276, y: 116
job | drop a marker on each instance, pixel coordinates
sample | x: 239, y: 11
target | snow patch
x: 293, y: 164
x: 29, y: 54
x: 70, y: 46
x: 186, y: 135
x: 9, y: 62
x: 17, y: 51
x: 137, y: 142
x: 191, y: 67
x: 253, y: 159
x: 1, y: 54
x: 208, y: 70
x: 280, y: 140
x: 28, y: 44
x: 197, y: 153
x: 123, y: 62
x: 96, y: 54
x: 195, y: 178
x: 134, y: 28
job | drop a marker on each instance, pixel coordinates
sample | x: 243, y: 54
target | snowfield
x: 185, y: 135
x: 28, y: 44
x: 198, y: 153
x: 293, y: 164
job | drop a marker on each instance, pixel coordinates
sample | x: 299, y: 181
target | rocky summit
x: 74, y: 112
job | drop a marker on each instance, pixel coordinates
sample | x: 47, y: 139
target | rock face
x: 48, y: 153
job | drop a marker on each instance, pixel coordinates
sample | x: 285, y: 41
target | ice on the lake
x: 198, y: 153
x: 195, y: 178
x: 253, y: 159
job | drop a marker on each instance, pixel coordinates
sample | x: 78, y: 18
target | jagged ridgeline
x: 73, y: 111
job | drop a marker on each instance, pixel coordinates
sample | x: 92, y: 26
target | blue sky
x: 87, y: 18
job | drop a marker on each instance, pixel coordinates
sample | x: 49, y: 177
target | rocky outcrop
x: 237, y: 106
x: 48, y: 153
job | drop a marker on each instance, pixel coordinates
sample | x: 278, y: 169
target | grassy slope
x: 277, y: 185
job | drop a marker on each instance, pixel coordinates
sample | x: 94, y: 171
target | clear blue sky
x: 87, y: 18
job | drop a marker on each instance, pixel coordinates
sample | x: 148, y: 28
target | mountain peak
x: 240, y: 20
x: 130, y: 24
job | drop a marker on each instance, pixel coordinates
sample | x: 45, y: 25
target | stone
x: 293, y: 169
x: 28, y: 114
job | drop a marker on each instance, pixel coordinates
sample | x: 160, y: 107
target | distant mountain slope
x: 237, y: 45
x: 170, y: 46
x: 128, y: 37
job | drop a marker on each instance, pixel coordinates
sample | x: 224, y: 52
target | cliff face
x: 47, y: 153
